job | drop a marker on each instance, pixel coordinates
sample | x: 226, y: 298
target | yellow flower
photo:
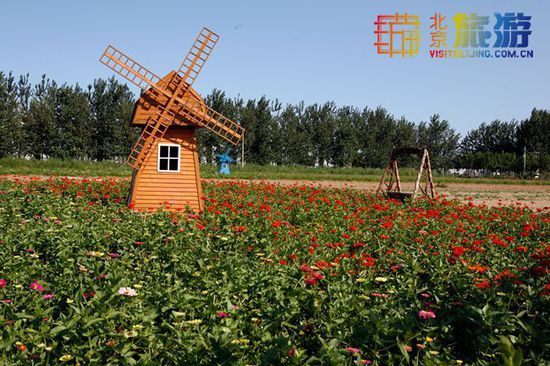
x: 381, y: 279
x: 240, y: 341
x: 95, y: 254
x: 460, y: 362
x: 194, y: 321
x: 130, y: 333
x: 362, y: 279
x: 435, y: 353
x: 82, y: 268
x: 65, y: 358
x: 429, y: 339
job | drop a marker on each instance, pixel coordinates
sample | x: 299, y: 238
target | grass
x: 249, y: 171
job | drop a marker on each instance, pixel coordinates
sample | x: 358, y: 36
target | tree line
x: 51, y: 120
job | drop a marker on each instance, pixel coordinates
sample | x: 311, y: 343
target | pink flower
x: 36, y: 286
x: 3, y: 283
x: 7, y: 301
x: 222, y: 314
x: 426, y: 314
x: 353, y: 350
x: 48, y: 296
x: 114, y: 255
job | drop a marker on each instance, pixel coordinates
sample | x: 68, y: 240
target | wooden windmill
x: 169, y: 110
x: 390, y: 184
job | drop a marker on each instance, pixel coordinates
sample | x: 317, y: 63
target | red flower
x: 484, y: 284
x: 458, y: 251
x: 317, y: 275
x: 311, y: 281
x: 305, y: 268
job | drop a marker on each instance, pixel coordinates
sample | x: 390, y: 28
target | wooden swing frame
x: 390, y: 183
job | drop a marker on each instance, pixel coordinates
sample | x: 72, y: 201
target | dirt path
x: 534, y: 196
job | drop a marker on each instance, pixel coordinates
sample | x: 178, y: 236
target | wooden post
x: 397, y: 178
x: 417, y: 184
x: 383, y: 178
x: 429, y: 175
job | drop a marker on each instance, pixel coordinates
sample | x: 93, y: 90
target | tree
x: 496, y: 137
x: 379, y: 134
x: 39, y: 126
x: 297, y: 146
x: 441, y: 140
x: 11, y: 133
x: 111, y: 106
x: 534, y: 132
x: 209, y: 143
x: 256, y: 118
x: 71, y: 137
x: 345, y: 146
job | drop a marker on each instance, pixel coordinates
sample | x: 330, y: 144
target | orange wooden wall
x: 152, y: 189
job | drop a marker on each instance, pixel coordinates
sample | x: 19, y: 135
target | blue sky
x: 310, y: 50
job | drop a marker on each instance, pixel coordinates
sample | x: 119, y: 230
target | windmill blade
x: 154, y: 130
x: 205, y: 116
x: 128, y: 68
x: 197, y: 56
x: 223, y: 126
x: 145, y: 79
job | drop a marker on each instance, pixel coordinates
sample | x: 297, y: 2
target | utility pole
x: 524, y: 159
x: 242, y: 150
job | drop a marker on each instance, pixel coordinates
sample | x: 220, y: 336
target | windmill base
x: 152, y: 189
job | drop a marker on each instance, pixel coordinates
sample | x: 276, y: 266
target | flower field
x: 268, y: 274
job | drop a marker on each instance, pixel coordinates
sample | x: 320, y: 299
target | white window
x: 168, y: 158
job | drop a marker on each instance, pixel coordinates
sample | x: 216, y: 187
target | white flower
x: 381, y: 279
x: 127, y: 291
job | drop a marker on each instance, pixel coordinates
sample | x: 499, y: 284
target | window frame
x: 168, y: 157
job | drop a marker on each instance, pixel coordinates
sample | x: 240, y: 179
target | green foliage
x: 510, y: 356
x: 111, y: 106
x: 267, y: 275
x: 11, y: 133
x: 48, y: 120
x: 440, y: 139
x: 495, y: 137
x: 65, y: 122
